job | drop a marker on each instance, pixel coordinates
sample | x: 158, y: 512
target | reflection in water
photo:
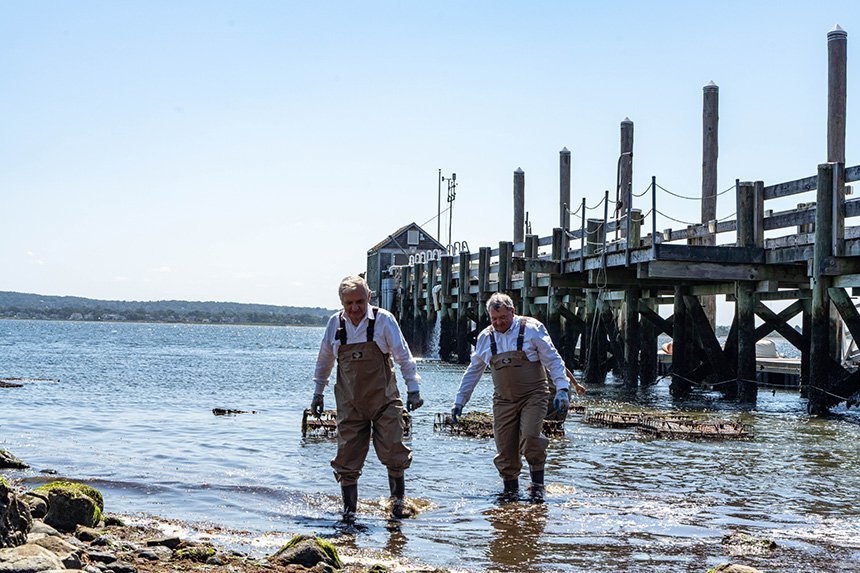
x: 517, y: 531
x: 396, y: 539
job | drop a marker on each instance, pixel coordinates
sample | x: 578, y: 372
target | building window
x: 412, y: 237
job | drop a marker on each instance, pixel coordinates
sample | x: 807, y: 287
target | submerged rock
x: 308, y: 552
x: 732, y: 568
x: 739, y: 544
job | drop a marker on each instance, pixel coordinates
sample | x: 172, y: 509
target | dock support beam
x: 747, y: 387
x: 464, y: 349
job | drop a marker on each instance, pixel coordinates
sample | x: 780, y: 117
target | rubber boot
x: 350, y: 501
x: 397, y: 486
x: 537, y: 490
x: 512, y: 490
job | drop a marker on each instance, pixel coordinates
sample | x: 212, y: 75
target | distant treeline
x: 40, y: 307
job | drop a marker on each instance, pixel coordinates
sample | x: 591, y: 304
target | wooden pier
x: 599, y: 281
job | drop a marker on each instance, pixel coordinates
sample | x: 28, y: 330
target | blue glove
x: 562, y: 400
x: 317, y: 405
x: 456, y: 412
x: 413, y: 400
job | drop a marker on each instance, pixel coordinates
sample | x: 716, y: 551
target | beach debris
x: 668, y: 425
x: 325, y: 425
x: 230, y: 412
x: 9, y: 461
x: 307, y: 551
x: 480, y: 425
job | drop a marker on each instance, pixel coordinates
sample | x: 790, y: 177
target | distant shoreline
x: 186, y: 322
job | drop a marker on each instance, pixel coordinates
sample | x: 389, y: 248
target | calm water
x: 132, y: 415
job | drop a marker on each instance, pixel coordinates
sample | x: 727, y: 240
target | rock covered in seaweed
x: 71, y: 504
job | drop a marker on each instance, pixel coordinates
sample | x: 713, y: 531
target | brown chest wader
x: 519, y: 406
x: 368, y: 408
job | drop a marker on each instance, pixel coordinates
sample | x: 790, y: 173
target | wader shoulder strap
x: 371, y: 323
x: 493, y: 348
x: 341, y: 331
x: 522, y: 335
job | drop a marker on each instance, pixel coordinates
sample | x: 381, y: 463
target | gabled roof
x: 427, y: 237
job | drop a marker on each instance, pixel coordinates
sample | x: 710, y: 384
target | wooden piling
x: 837, y: 76
x: 564, y: 189
x: 519, y: 205
x: 483, y: 287
x: 710, y: 154
x: 526, y: 297
x: 506, y: 249
x: 745, y: 297
x: 630, y: 369
x: 625, y: 171
x: 680, y: 385
x: 648, y: 347
x: 448, y: 324
x: 419, y: 323
x: 821, y: 331
x: 464, y: 349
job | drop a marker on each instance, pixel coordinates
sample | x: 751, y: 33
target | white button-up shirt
x: 386, y: 335
x: 536, y: 344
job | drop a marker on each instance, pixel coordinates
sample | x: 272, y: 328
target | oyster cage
x: 669, y: 425
x: 480, y: 425
x: 325, y: 426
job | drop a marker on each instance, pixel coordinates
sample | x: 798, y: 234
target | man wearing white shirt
x: 520, y: 353
x: 363, y: 340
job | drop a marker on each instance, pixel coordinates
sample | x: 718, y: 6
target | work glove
x: 562, y: 400
x: 456, y: 412
x: 413, y: 400
x: 317, y: 405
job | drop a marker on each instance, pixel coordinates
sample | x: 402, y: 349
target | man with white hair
x: 363, y: 340
x: 520, y: 354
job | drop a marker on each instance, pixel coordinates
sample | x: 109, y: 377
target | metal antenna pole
x: 439, y: 210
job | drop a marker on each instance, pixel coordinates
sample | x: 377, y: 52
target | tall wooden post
x: 710, y: 153
x: 483, y: 286
x: 837, y: 75
x: 625, y: 173
x: 745, y: 297
x: 564, y: 192
x: 837, y: 81
x: 553, y: 316
x: 519, y: 205
x: 432, y: 281
x: 528, y: 277
x: 506, y: 249
x: 464, y: 349
x: 820, y: 348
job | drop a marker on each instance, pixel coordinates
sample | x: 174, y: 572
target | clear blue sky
x: 253, y: 151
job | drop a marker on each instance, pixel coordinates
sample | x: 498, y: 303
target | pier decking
x: 598, y: 282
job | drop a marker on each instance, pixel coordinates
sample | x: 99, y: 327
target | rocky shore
x: 62, y: 527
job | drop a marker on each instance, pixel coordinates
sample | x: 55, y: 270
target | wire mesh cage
x: 325, y: 426
x: 480, y: 425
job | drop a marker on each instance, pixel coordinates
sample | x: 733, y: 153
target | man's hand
x: 580, y: 389
x: 317, y: 405
x: 413, y: 400
x: 456, y: 412
x: 562, y: 400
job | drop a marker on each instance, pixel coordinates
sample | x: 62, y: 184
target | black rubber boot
x: 537, y: 491
x: 350, y: 501
x: 397, y: 487
x: 512, y: 490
